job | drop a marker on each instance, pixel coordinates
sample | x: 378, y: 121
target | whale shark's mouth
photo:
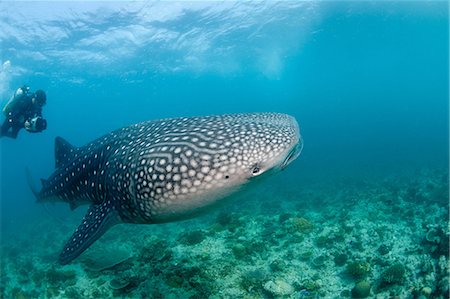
x: 293, y: 154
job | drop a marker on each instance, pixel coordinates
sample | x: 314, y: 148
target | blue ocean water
x: 367, y: 81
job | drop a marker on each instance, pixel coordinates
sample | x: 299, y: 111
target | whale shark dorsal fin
x: 98, y: 219
x: 64, y: 152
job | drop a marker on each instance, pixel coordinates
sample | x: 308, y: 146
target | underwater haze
x: 363, y: 211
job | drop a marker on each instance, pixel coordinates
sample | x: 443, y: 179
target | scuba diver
x: 24, y: 110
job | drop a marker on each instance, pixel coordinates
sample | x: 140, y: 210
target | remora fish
x: 165, y: 170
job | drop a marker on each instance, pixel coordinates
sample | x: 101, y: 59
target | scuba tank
x: 20, y: 92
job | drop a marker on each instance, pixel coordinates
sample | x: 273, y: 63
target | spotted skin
x: 165, y: 170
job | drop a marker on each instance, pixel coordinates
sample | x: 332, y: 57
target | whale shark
x: 165, y: 170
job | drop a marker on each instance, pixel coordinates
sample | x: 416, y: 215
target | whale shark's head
x: 275, y: 144
x: 208, y: 158
x: 261, y: 144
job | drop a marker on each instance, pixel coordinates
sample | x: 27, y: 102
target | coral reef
x: 119, y: 283
x: 393, y: 275
x: 278, y: 288
x: 358, y: 269
x: 193, y: 237
x: 361, y: 289
x: 111, y: 257
x: 301, y: 225
x: 372, y: 239
x: 340, y: 259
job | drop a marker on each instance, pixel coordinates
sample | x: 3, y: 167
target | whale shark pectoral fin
x: 64, y: 152
x: 98, y: 219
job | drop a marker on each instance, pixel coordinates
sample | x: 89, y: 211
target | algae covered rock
x: 156, y: 252
x: 437, y: 242
x: 361, y: 289
x: 393, y: 275
x: 101, y: 260
x: 383, y: 249
x: 319, y: 261
x: 253, y: 279
x: 278, y: 288
x: 60, y: 277
x: 277, y: 265
x: 119, y: 283
x: 73, y: 293
x: 323, y: 241
x: 340, y: 259
x: 193, y: 237
x: 229, y: 221
x: 358, y: 269
x: 239, y: 251
x: 302, y: 225
x: 305, y: 255
x: 283, y: 217
x: 433, y: 235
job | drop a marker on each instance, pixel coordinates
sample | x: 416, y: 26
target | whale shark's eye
x: 256, y: 170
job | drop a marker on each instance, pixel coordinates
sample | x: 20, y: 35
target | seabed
x: 347, y: 238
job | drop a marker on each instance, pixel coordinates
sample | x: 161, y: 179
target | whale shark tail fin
x: 64, y: 152
x: 31, y: 185
x: 98, y: 219
x: 37, y: 194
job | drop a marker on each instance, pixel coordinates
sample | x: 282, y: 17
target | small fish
x: 165, y: 170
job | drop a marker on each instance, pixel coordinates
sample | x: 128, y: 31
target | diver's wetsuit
x: 17, y: 111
